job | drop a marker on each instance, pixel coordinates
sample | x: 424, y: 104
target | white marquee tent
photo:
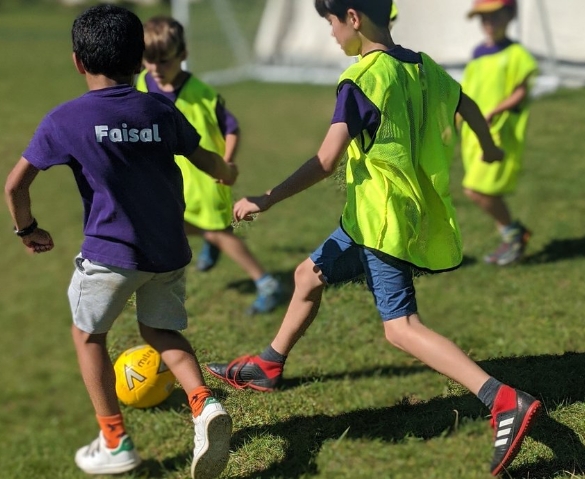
x: 294, y: 44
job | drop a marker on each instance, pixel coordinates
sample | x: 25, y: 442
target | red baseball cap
x: 488, y: 6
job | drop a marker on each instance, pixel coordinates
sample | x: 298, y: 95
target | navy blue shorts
x: 340, y: 260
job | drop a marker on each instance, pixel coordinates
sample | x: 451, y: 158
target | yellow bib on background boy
x: 208, y: 203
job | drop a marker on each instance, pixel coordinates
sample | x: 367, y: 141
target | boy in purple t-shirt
x: 120, y: 144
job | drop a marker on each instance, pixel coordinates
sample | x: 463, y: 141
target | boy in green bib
x: 208, y: 211
x: 394, y: 123
x: 499, y: 79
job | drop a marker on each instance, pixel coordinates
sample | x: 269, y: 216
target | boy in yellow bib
x: 208, y: 211
x: 394, y: 122
x: 498, y: 78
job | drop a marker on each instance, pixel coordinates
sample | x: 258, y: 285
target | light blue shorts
x: 98, y: 293
x: 340, y: 260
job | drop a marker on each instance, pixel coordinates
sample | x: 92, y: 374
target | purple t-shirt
x: 355, y: 109
x: 483, y: 49
x: 120, y: 145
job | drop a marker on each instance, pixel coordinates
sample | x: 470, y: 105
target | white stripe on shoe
x: 503, y: 432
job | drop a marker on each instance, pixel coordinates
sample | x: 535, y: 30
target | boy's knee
x: 398, y: 331
x: 211, y: 236
x: 82, y: 337
x: 393, y: 337
x: 308, y: 275
x: 215, y: 236
x: 472, y: 195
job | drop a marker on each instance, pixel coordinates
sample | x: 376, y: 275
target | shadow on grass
x: 390, y: 371
x: 468, y: 261
x: 153, y: 469
x: 552, y: 378
x: 558, y: 250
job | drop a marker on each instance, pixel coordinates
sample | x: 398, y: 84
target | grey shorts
x: 98, y: 293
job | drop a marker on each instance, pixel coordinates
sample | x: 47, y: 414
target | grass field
x: 351, y: 406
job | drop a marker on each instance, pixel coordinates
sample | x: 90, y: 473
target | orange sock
x: 112, y: 428
x: 197, y: 398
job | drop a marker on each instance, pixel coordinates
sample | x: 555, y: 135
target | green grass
x: 351, y: 406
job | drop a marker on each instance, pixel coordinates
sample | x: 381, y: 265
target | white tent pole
x: 548, y: 37
x: 232, y: 31
x: 180, y: 12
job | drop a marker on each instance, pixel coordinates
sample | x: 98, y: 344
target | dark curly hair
x: 108, y: 40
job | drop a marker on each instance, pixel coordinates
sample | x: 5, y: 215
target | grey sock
x: 487, y: 393
x: 269, y: 354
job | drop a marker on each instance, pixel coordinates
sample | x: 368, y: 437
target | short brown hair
x: 163, y: 35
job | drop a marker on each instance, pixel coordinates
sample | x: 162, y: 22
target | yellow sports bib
x: 398, y: 195
x: 489, y: 80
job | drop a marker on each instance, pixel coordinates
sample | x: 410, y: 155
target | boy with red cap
x: 499, y: 79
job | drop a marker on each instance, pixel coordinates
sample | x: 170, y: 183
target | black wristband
x: 26, y: 231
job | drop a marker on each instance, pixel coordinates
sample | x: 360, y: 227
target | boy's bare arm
x: 231, y: 147
x: 514, y: 100
x: 471, y: 113
x: 320, y: 166
x: 214, y: 165
x: 17, y: 195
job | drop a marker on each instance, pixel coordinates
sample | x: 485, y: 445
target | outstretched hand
x: 245, y: 208
x: 39, y: 241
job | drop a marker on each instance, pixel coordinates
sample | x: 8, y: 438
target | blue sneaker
x: 269, y: 295
x: 207, y: 257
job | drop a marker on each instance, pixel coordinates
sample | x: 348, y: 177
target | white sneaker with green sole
x: 97, y: 458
